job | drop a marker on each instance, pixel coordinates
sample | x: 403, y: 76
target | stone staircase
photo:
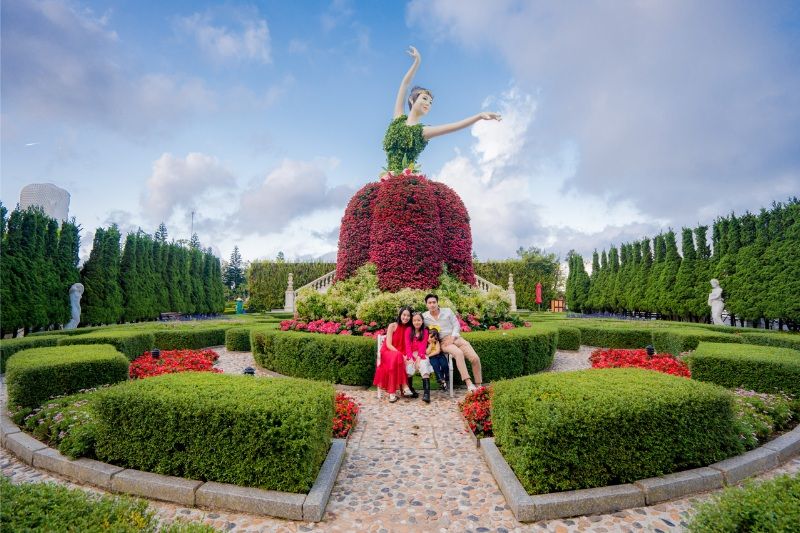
x: 324, y: 282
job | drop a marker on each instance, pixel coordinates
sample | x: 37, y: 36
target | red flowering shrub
x: 354, y: 234
x: 172, y: 361
x: 345, y: 416
x: 332, y: 327
x: 617, y: 358
x: 477, y: 409
x: 408, y: 226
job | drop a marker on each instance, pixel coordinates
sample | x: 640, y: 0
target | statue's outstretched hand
x: 413, y: 52
x: 491, y: 116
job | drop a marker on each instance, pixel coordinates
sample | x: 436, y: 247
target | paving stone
x: 743, y: 466
x: 167, y: 488
x: 679, y: 484
x: 251, y: 500
x: 23, y: 446
x: 587, y: 501
x: 787, y: 445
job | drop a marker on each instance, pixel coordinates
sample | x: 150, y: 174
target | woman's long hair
x: 417, y: 336
x: 400, y: 315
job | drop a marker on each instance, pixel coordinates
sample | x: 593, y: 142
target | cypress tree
x: 593, y: 299
x: 196, y: 279
x: 67, y: 258
x: 653, y: 291
x: 685, y: 284
x: 672, y: 262
x: 129, y: 281
x: 702, y: 278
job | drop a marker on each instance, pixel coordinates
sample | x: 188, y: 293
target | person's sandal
x: 392, y: 398
x: 408, y: 394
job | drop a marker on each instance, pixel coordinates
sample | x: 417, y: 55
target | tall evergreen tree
x: 653, y: 292
x: 161, y: 234
x: 703, y: 275
x: 685, y: 284
x: 672, y: 263
x: 234, y: 273
x: 593, y: 300
x: 102, y: 296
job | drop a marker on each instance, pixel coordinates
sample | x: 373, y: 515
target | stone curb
x: 517, y: 497
x: 602, y: 500
x: 748, y: 464
x: 679, y: 484
x: 787, y: 445
x: 179, y: 490
x: 156, y: 486
x: 317, y: 498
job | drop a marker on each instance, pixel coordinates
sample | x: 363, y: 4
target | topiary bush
x: 9, y: 347
x: 188, y: 338
x: 781, y: 340
x: 513, y: 353
x: 131, y: 343
x: 237, y: 340
x: 268, y: 433
x: 758, y: 368
x: 383, y: 307
x: 679, y: 340
x: 335, y: 358
x: 37, y: 374
x: 769, y: 506
x: 612, y: 335
x: 593, y: 428
x: 569, y: 338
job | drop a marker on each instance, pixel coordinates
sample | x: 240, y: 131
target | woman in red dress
x: 390, y: 375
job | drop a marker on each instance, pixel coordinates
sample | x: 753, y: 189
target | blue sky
x: 265, y: 117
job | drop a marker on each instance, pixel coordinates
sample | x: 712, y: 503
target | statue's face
x: 422, y: 104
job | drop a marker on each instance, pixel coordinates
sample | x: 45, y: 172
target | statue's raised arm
x: 401, y: 92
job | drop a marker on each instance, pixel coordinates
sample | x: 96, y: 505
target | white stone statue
x: 716, y: 302
x: 75, y: 294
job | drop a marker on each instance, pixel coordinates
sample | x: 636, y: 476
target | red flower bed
x: 172, y: 361
x: 616, y: 358
x: 345, y: 416
x: 477, y: 409
x: 408, y: 226
x: 331, y: 327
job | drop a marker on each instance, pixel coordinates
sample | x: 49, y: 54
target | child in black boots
x: 437, y: 358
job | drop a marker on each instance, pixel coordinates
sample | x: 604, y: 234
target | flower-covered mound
x: 172, y: 361
x: 617, y: 358
x: 476, y: 407
x: 409, y: 227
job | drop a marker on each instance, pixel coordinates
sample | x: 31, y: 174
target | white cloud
x: 249, y: 42
x: 670, y: 105
x: 290, y: 191
x: 182, y: 183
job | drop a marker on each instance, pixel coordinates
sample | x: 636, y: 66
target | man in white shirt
x: 452, y: 341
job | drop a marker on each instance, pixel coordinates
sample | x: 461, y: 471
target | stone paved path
x: 413, y: 467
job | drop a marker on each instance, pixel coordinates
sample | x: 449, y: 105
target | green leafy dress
x: 403, y: 144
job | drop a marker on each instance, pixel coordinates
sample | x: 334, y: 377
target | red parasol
x: 538, y: 293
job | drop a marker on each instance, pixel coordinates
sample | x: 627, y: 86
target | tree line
x: 755, y: 257
x: 148, y: 275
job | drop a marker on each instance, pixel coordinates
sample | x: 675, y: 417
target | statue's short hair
x: 415, y: 92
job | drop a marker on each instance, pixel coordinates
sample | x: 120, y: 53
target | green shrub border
x: 569, y: 338
x: 238, y: 339
x: 132, y: 344
x: 9, y: 347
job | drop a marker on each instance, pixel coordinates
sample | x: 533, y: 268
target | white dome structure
x: 54, y: 200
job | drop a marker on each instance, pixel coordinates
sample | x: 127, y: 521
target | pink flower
x: 345, y: 332
x: 492, y: 327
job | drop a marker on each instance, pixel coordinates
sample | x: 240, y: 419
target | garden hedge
x: 37, y: 374
x: 351, y: 360
x: 609, y: 336
x: 569, y: 338
x: 769, y: 506
x: 781, y: 340
x: 678, y: 340
x: 267, y: 433
x: 591, y: 428
x: 237, y: 339
x: 335, y: 358
x: 188, y: 338
x: 52, y: 507
x: 759, y: 368
x: 9, y: 347
x: 131, y: 343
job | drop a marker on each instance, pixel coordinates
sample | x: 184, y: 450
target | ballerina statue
x: 406, y: 137
x: 406, y: 224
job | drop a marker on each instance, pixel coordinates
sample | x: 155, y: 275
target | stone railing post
x: 288, y: 299
x: 512, y: 295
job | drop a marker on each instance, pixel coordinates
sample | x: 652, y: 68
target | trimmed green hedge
x: 51, y: 507
x: 677, y: 340
x: 37, y: 374
x: 9, y: 347
x: 237, y: 339
x: 267, y: 433
x: 613, y: 337
x: 769, y: 506
x: 188, y: 338
x: 591, y: 428
x: 569, y: 338
x: 351, y: 360
x: 335, y: 358
x: 131, y: 343
x: 781, y: 340
x: 759, y: 368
